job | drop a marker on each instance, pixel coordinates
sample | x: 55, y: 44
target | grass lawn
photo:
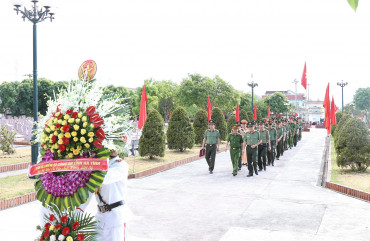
x: 144, y: 163
x: 20, y: 155
x: 345, y: 176
x: 13, y: 186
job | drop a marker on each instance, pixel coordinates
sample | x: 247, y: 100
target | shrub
x: 219, y: 118
x: 230, y: 123
x: 7, y: 140
x: 200, y: 125
x: 180, y: 133
x: 332, y: 129
x: 243, y: 115
x: 152, y: 141
x: 341, y: 123
x: 338, y: 116
x: 353, y: 145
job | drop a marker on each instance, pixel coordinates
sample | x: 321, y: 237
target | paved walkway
x: 187, y: 203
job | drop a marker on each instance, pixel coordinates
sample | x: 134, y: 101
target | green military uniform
x: 291, y: 137
x: 287, y: 127
x: 295, y: 138
x: 271, y: 153
x: 252, y: 138
x: 300, y: 130
x: 235, y: 141
x: 262, y: 149
x: 279, y: 133
x: 211, y: 146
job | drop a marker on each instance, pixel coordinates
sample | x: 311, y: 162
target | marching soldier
x: 279, y: 134
x: 271, y: 150
x: 251, y: 139
x: 243, y: 129
x: 291, y: 137
x: 211, y: 140
x: 263, y: 147
x: 234, y: 141
x: 296, y: 132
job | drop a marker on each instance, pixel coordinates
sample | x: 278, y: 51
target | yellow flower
x: 56, y: 146
x: 91, y: 140
x: 55, y: 133
x: 79, y: 115
x: 60, y: 121
x: 55, y: 120
x: 78, y: 121
x: 76, y: 152
x: 72, y: 120
x: 69, y: 238
x: 61, y: 135
x: 79, y: 148
x: 92, y: 126
x: 64, y: 122
x: 57, y: 114
x: 50, y: 136
x: 45, y: 147
x: 83, y: 131
x: 70, y: 155
x: 91, y: 134
x: 76, y: 127
x: 67, y: 149
x: 60, y: 142
x: 67, y: 134
x: 52, y: 150
x: 52, y: 128
x: 46, y: 139
x: 74, y: 133
x: 83, y: 140
x: 87, y: 145
x: 47, y: 130
x: 51, y: 228
x: 66, y: 117
x: 84, y: 124
x: 59, y: 152
x: 84, y: 119
x: 75, y: 139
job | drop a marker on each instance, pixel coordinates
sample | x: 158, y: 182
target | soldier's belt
x: 235, y: 148
x: 210, y: 144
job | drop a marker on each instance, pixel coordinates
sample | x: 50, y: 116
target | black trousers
x: 211, y: 155
x: 252, y: 159
x: 279, y: 148
x: 295, y: 140
x: 262, y: 154
x: 271, y: 153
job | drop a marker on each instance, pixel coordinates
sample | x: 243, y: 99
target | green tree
x: 124, y: 95
x: 279, y: 103
x: 353, y: 145
x: 246, y: 101
x: 341, y: 123
x: 152, y: 141
x: 243, y: 115
x: 262, y: 109
x: 338, y: 116
x: 219, y: 119
x: 224, y: 95
x: 180, y: 133
x: 192, y: 110
x: 230, y: 123
x: 8, y: 97
x: 200, y: 125
x: 152, y: 96
x: 362, y: 98
x: 250, y: 115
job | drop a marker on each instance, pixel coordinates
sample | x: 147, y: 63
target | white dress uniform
x: 112, y: 190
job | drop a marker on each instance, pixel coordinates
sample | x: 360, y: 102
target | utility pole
x: 252, y: 85
x: 342, y: 85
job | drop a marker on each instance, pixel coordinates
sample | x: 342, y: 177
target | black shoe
x: 239, y: 169
x: 272, y: 164
x: 264, y: 168
x: 250, y: 175
x: 256, y: 172
x: 277, y: 158
x: 210, y: 172
x: 234, y: 174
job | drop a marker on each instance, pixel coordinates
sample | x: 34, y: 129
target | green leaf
x: 353, y: 4
x: 103, y: 153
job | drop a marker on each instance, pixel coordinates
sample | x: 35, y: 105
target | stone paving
x: 188, y: 203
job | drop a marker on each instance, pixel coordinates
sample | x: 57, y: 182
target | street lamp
x: 252, y: 84
x: 34, y: 15
x: 342, y: 85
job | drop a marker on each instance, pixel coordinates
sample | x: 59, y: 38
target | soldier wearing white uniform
x: 111, y: 199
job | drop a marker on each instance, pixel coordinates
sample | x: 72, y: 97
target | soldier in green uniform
x: 235, y: 141
x: 279, y: 141
x: 288, y: 134
x: 251, y: 139
x: 211, y: 141
x: 291, y: 136
x: 296, y: 132
x: 271, y: 151
x: 300, y: 124
x: 262, y: 148
x: 242, y: 130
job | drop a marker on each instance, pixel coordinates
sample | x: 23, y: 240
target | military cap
x: 250, y: 124
x: 235, y: 126
x: 270, y: 122
x: 244, y: 122
x: 212, y: 122
x: 261, y: 122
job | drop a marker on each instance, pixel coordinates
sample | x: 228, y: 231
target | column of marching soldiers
x: 259, y: 142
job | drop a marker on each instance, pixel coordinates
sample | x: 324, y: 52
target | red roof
x: 299, y: 97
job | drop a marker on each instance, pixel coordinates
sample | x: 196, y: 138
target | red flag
x: 304, y: 77
x: 334, y: 108
x: 295, y: 115
x: 237, y: 112
x: 268, y: 112
x: 363, y: 117
x: 142, y: 116
x: 169, y: 113
x: 277, y: 114
x: 255, y: 112
x: 326, y: 105
x: 209, y: 109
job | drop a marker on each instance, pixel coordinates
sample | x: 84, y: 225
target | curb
x: 167, y: 166
x: 348, y: 191
x: 29, y: 197
x: 16, y: 201
x: 14, y: 167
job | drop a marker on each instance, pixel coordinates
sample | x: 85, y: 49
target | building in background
x: 315, y: 111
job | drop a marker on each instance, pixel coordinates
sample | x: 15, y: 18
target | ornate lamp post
x: 252, y: 84
x: 34, y: 15
x: 342, y: 85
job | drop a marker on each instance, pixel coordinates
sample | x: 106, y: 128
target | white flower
x: 61, y: 237
x: 52, y: 238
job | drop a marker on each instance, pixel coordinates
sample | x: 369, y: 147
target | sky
x: 133, y: 40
